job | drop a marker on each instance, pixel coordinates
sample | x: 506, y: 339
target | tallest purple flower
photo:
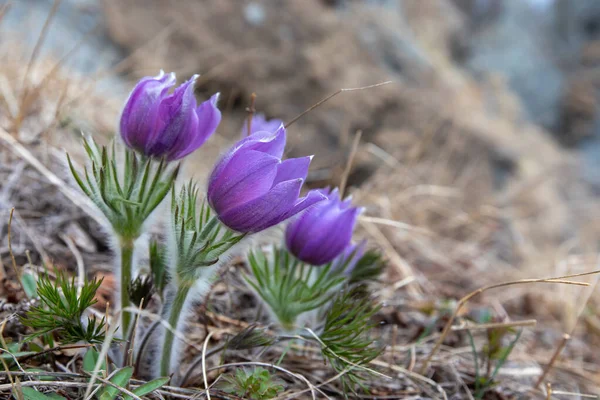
x: 252, y: 189
x: 159, y: 124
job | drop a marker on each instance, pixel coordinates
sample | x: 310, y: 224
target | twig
x: 528, y: 322
x: 349, y: 163
x: 581, y: 395
x: 469, y: 296
x: 52, y: 350
x: 566, y: 337
x: 317, y: 104
x: 251, y: 110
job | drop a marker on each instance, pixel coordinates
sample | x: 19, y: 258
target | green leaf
x: 30, y: 393
x: 90, y: 359
x: 121, y: 379
x: 29, y: 285
x: 148, y: 387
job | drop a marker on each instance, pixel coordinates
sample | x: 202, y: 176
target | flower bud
x: 172, y: 126
x: 252, y: 189
x: 323, y: 232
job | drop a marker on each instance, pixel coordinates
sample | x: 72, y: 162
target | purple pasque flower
x: 323, y: 232
x: 260, y: 123
x: 349, y: 257
x: 159, y: 124
x: 252, y: 189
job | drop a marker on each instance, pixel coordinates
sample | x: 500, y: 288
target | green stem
x: 126, y: 266
x: 173, y: 318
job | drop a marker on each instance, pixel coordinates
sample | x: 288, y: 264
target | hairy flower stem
x: 127, y: 247
x: 173, y: 318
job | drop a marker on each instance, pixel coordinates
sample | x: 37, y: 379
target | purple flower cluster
x: 250, y: 188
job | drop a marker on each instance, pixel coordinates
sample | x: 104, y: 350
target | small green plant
x: 289, y: 286
x: 345, y: 338
x: 255, y: 384
x: 495, y: 353
x: 61, y: 309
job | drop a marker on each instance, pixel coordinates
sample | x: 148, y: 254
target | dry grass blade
x: 206, y: 387
x: 10, y: 250
x: 346, y: 173
x: 555, y: 356
x: 320, y: 102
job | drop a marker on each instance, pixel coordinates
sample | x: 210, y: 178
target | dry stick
x: 349, y: 163
x: 251, y: 110
x: 10, y: 250
x: 52, y: 350
x: 317, y: 104
x: 495, y: 325
x: 566, y: 337
x: 581, y: 395
x: 469, y: 296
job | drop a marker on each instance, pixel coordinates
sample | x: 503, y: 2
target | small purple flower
x: 159, y: 124
x: 349, y: 258
x: 260, y: 123
x: 323, y: 232
x: 252, y: 189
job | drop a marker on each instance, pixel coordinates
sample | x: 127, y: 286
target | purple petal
x: 292, y: 168
x: 248, y: 175
x: 330, y: 239
x: 265, y: 211
x: 258, y: 142
x: 176, y: 114
x: 273, y: 144
x: 138, y: 120
x: 313, y: 197
x: 208, y: 117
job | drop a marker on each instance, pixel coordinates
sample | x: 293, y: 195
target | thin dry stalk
x: 495, y: 325
x: 317, y: 104
x: 348, y: 168
x: 206, y: 387
x: 566, y: 337
x: 477, y: 292
x: 251, y: 110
